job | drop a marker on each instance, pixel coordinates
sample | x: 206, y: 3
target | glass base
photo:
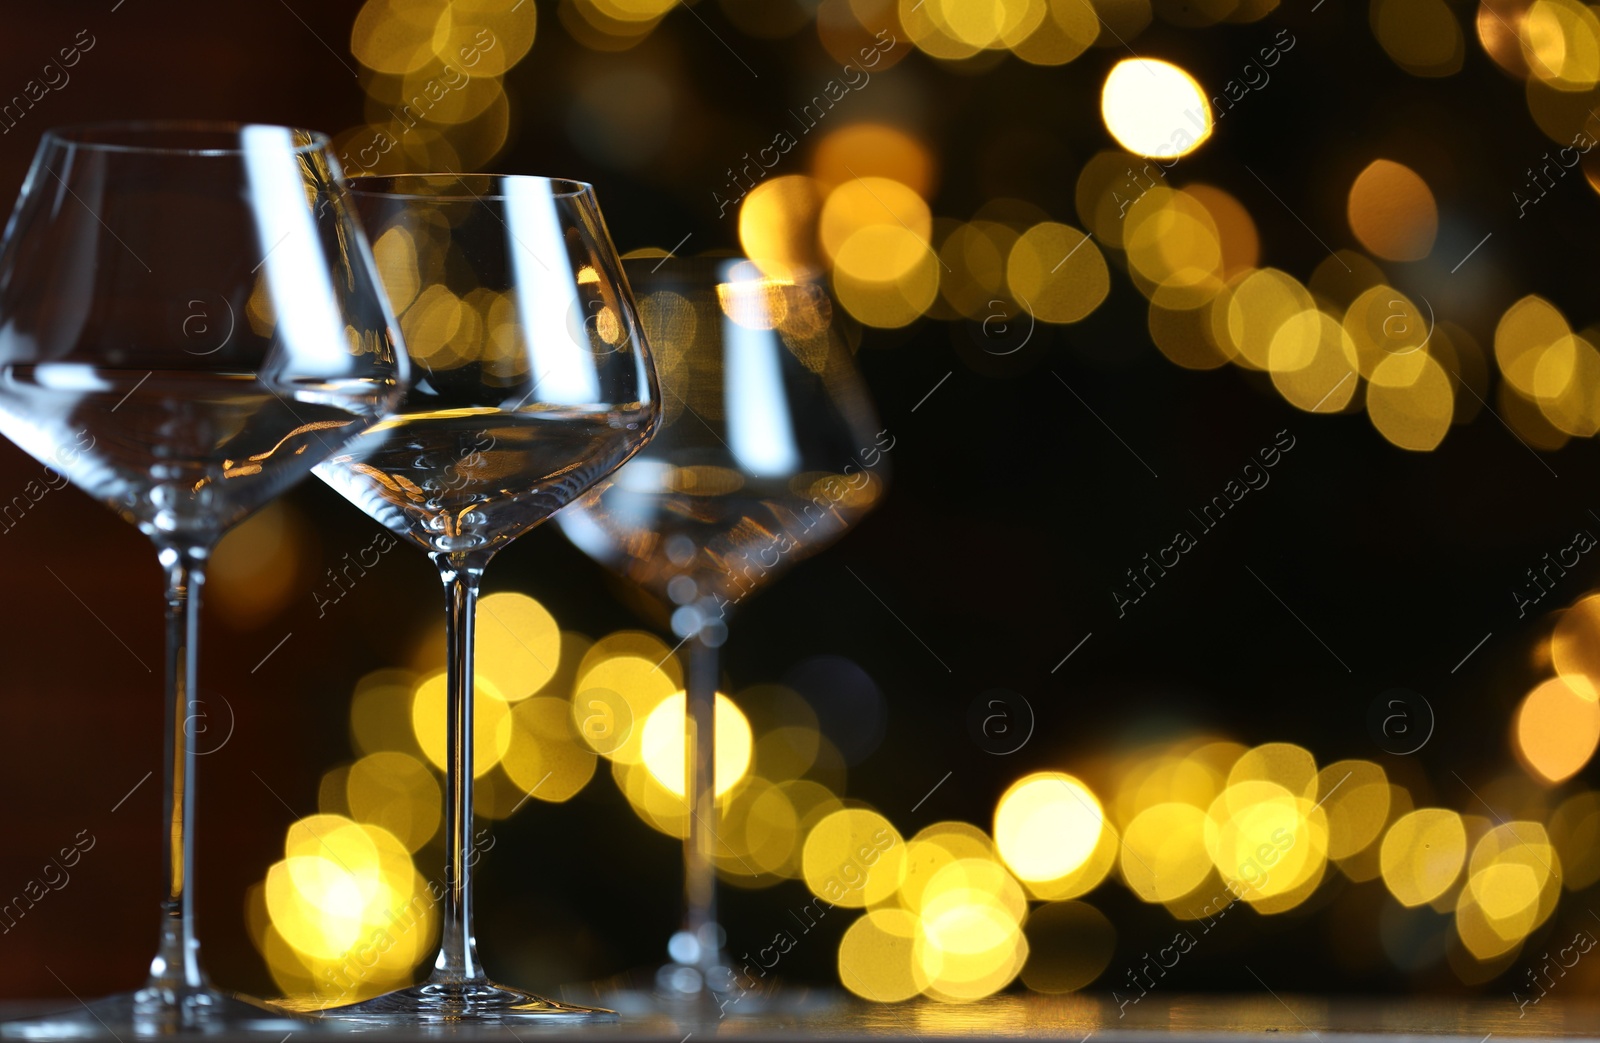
x: 146, y: 1013
x: 434, y: 1002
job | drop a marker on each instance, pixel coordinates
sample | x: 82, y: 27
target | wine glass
x: 769, y: 450
x: 189, y: 321
x: 531, y: 383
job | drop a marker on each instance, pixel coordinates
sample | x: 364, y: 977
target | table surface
x: 1257, y: 1019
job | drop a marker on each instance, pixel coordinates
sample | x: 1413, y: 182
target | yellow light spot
x: 876, y: 957
x: 1566, y: 384
x: 1314, y: 363
x: 491, y: 733
x: 394, y: 36
x: 1056, y: 273
x: 1069, y: 30
x: 1184, y: 774
x: 1561, y: 44
x: 1422, y: 36
x: 1575, y: 645
x: 1356, y: 799
x: 1281, y: 763
x: 1498, y: 32
x: 778, y: 226
x: 1422, y: 855
x: 519, y: 645
x: 431, y: 326
x: 931, y: 850
x: 924, y: 859
x: 663, y: 743
x: 1411, y: 401
x: 397, y: 792
x: 544, y: 757
x: 886, y: 276
x: 615, y: 693
x: 1154, y: 108
x: 396, y: 255
x: 873, y: 150
x: 918, y: 19
x: 986, y: 23
x: 962, y: 839
x: 634, y: 10
x: 1392, y: 211
x: 344, y: 905
x: 1266, y: 841
x: 1174, y: 248
x: 871, y: 202
x: 854, y: 858
x: 1046, y: 825
x: 1528, y: 329
x: 1512, y: 887
x: 380, y: 712
x: 484, y: 38
x: 1164, y: 852
x: 969, y: 941
x: 764, y: 825
x: 1556, y: 731
x: 1261, y: 303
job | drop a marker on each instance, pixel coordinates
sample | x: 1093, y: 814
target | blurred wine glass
x: 189, y: 320
x: 531, y: 382
x: 769, y: 450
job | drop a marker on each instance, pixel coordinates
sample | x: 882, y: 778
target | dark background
x: 1013, y: 509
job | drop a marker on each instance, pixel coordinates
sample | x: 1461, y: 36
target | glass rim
x: 83, y: 136
x: 394, y: 186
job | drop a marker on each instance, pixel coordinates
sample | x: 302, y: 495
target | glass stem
x: 699, y: 758
x: 176, y: 967
x: 457, y: 961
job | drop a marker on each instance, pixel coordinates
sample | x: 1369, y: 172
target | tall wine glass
x: 189, y: 320
x: 531, y: 383
x: 769, y: 451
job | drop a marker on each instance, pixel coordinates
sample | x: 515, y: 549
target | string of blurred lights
x: 1194, y: 825
x: 1345, y: 341
x: 952, y: 912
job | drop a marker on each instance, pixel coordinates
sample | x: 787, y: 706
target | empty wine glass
x: 531, y: 383
x: 189, y: 320
x: 769, y: 450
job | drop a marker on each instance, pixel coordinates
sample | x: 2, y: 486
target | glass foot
x: 433, y: 1002
x: 147, y: 1013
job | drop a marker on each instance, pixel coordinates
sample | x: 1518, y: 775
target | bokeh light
x: 1392, y: 211
x: 1154, y: 108
x: 1047, y: 825
x: 1422, y: 854
x: 1557, y: 728
x: 663, y: 744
